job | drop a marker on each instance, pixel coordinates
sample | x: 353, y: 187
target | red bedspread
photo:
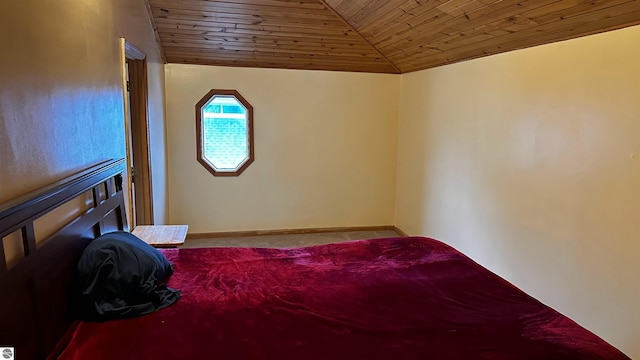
x: 401, y: 298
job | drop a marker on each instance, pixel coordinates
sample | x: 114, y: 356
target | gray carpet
x: 287, y: 241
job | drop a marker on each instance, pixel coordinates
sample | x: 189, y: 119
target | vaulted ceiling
x: 382, y: 36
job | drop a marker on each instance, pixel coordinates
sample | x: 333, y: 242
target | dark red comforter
x: 401, y: 298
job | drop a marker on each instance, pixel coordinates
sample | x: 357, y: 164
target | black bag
x: 121, y: 276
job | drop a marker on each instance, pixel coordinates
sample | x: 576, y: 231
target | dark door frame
x: 137, y: 124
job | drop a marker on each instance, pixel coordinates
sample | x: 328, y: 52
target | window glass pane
x: 225, y: 140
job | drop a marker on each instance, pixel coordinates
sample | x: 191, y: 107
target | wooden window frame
x: 199, y: 132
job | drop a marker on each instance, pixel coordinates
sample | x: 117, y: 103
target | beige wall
x: 61, y: 101
x: 325, y: 150
x: 529, y: 162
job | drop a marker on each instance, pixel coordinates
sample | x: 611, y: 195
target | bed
x: 394, y: 298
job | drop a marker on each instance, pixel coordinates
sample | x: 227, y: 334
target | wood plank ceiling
x: 380, y: 36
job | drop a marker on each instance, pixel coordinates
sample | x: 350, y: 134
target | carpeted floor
x: 287, y: 241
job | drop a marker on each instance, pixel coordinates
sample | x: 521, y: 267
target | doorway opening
x: 140, y: 204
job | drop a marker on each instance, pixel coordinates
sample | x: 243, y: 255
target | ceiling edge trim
x: 163, y: 56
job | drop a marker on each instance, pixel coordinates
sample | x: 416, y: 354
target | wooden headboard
x: 36, y: 302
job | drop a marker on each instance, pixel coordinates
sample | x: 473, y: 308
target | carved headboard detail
x: 36, y: 306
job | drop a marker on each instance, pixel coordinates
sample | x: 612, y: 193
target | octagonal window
x: 224, y: 124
